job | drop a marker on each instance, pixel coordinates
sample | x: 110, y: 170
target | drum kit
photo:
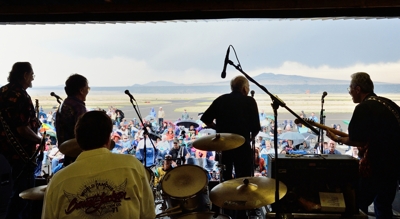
x: 185, y: 191
x: 185, y: 188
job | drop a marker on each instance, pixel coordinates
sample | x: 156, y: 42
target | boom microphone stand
x: 145, y: 132
x: 276, y: 102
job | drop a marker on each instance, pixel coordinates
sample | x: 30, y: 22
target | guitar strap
x: 15, y: 143
x: 392, y: 107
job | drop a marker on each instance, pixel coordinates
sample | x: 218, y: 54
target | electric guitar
x: 326, y: 128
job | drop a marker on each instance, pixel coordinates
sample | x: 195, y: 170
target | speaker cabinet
x: 307, y: 175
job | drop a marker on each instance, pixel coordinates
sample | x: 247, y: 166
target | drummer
x: 92, y: 188
x: 168, y: 164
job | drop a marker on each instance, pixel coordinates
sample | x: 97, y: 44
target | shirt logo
x: 97, y: 198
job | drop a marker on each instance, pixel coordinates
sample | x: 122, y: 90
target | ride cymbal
x: 70, y: 148
x: 246, y: 193
x: 35, y: 193
x: 219, y: 142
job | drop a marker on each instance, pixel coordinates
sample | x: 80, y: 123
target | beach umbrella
x: 187, y: 123
x: 149, y: 117
x: 46, y: 126
x: 264, y: 135
x: 51, y: 133
x: 347, y: 122
x: 264, y: 123
x: 271, y: 117
x: 309, y: 136
x: 207, y: 131
x: 295, y: 136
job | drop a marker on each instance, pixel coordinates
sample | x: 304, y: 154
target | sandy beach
x: 337, y: 107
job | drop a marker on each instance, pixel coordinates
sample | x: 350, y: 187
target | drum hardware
x: 219, y: 142
x: 35, y: 193
x: 70, y: 148
x: 246, y: 193
x: 204, y: 215
x: 185, y: 189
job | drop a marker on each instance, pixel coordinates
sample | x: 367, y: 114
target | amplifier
x: 307, y: 175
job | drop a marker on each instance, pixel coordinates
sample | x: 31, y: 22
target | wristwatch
x: 339, y: 140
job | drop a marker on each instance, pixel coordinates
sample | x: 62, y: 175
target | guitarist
x: 378, y: 146
x: 18, y: 127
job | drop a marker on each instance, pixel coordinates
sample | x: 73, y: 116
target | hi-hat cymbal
x: 70, y: 148
x: 35, y: 193
x: 246, y: 193
x: 219, y: 142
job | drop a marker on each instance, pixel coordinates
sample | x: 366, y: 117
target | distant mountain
x: 162, y: 83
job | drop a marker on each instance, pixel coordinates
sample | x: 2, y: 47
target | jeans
x: 19, y: 208
x: 379, y: 191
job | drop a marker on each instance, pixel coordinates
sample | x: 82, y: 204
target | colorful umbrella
x: 347, y: 122
x: 47, y: 126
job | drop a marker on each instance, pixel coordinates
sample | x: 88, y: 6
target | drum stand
x: 221, y: 166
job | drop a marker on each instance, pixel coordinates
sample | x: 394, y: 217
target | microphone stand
x: 253, y: 145
x: 145, y: 133
x: 276, y: 102
x: 321, y: 131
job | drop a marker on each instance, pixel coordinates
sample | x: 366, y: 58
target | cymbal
x: 70, y: 148
x: 35, y: 193
x: 219, y: 142
x: 246, y: 193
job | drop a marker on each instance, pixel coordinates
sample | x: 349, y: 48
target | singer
x: 378, y: 147
x: 76, y: 88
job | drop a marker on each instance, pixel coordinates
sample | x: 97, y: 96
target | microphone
x: 324, y: 94
x: 223, y: 74
x: 129, y: 94
x: 56, y: 96
x: 252, y: 93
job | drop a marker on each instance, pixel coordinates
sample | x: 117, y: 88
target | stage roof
x: 120, y: 11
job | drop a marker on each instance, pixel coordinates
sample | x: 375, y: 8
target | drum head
x: 203, y: 215
x: 184, y: 181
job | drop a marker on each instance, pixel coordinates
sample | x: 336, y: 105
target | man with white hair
x: 235, y: 113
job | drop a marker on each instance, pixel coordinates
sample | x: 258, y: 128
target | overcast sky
x: 194, y: 52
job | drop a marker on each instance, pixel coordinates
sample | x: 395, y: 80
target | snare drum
x: 186, y: 186
x: 203, y: 215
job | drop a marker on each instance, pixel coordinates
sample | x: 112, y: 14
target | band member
x: 99, y: 184
x: 76, y: 88
x: 378, y: 147
x: 18, y: 140
x: 235, y: 113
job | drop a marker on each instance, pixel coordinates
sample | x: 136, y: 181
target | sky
x: 194, y: 51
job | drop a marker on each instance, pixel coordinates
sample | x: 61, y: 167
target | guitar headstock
x: 310, y: 121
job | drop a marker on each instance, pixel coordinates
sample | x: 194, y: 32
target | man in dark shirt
x: 379, y: 149
x: 235, y: 113
x: 18, y: 138
x: 178, y: 153
x: 71, y: 109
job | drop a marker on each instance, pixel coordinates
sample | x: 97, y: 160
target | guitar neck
x: 334, y: 131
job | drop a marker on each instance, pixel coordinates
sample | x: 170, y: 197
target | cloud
x: 379, y: 72
x: 193, y: 52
